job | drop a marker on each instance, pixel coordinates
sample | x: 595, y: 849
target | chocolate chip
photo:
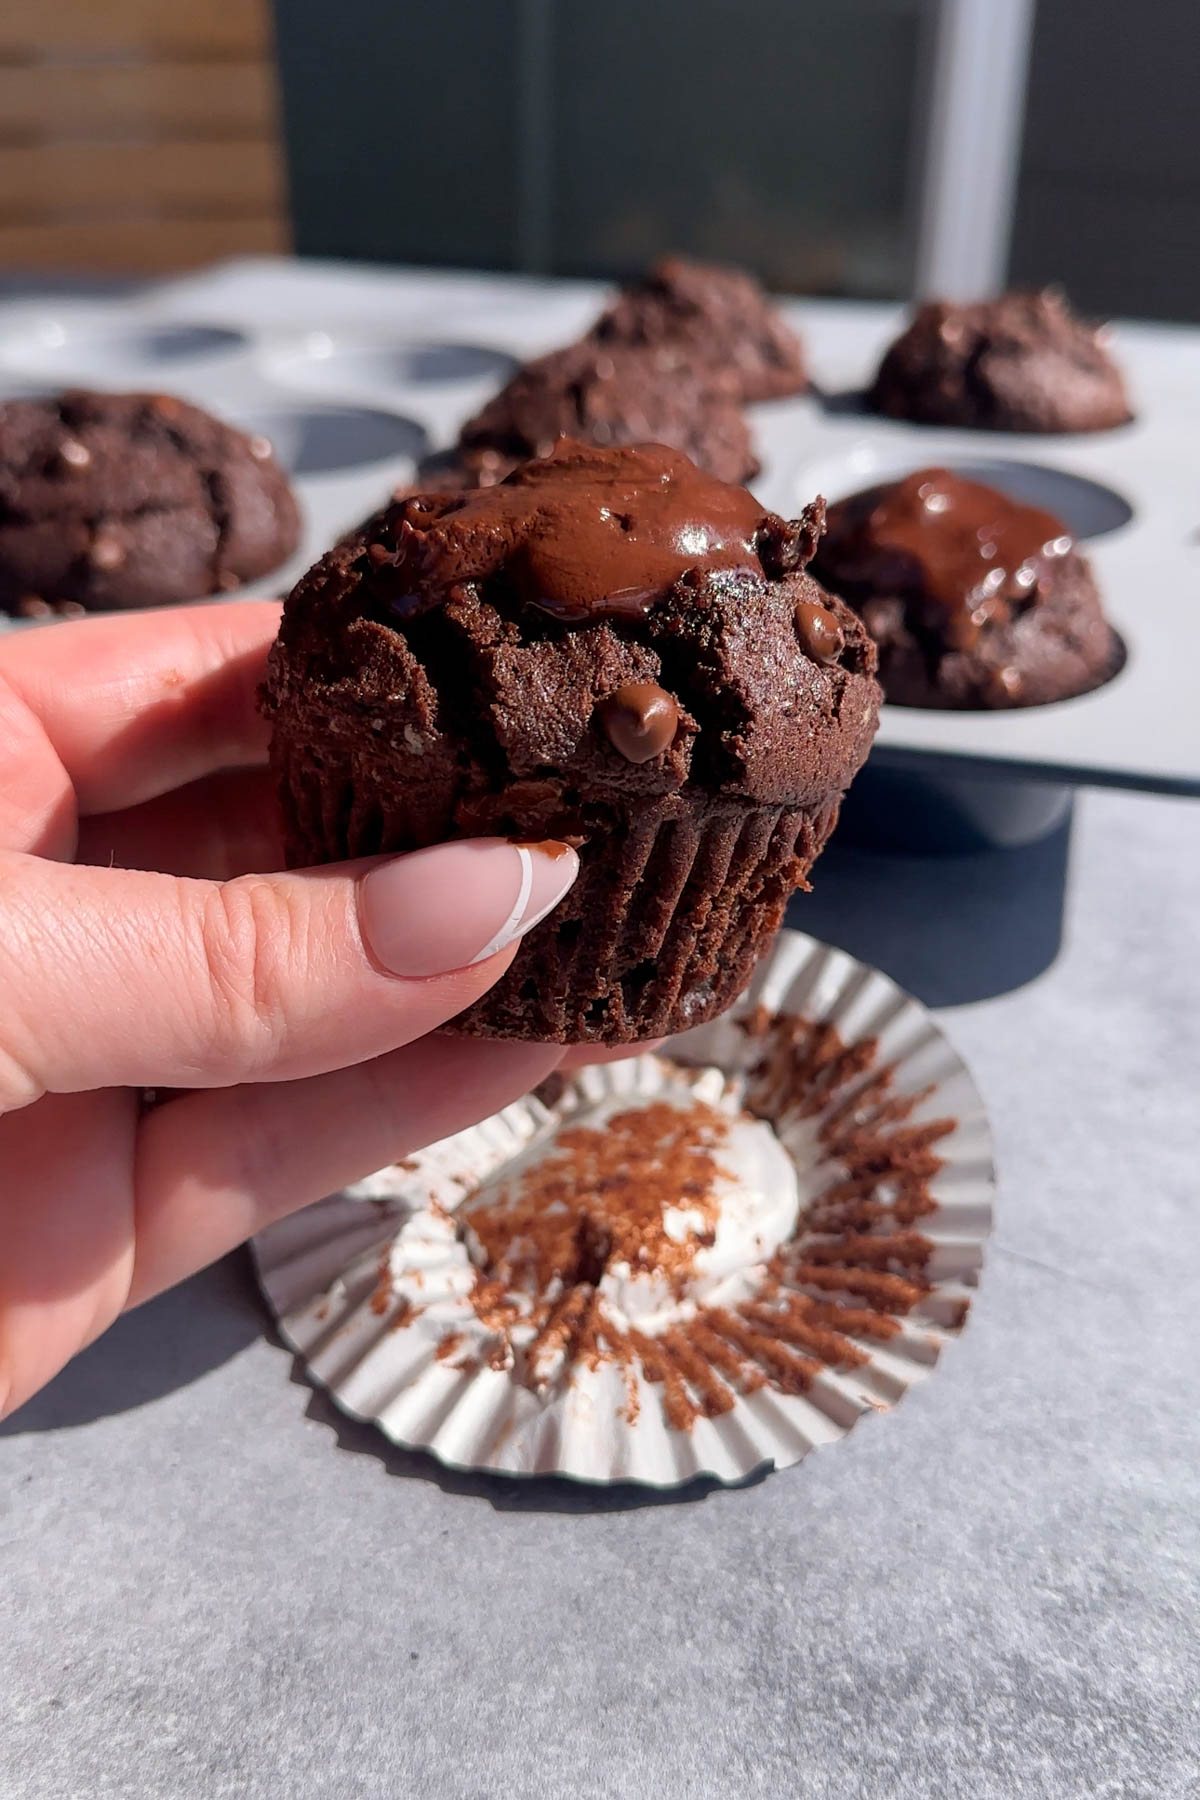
x: 105, y: 552
x: 1004, y: 685
x: 639, y: 720
x: 818, y: 631
x: 74, y: 454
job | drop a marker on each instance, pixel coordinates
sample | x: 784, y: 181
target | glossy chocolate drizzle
x: 969, y: 553
x: 582, y: 534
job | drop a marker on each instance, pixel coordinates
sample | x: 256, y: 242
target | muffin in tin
x: 1023, y: 362
x: 715, y: 318
x: 607, y: 395
x: 110, y: 501
x: 609, y: 648
x: 973, y: 600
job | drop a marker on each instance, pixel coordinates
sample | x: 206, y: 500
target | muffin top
x: 609, y: 395
x: 961, y: 555
x: 601, y: 622
x: 1024, y: 362
x: 972, y: 597
x: 717, y: 318
x: 111, y: 500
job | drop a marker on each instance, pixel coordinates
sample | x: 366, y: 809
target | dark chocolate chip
x: 639, y: 720
x: 818, y: 631
x: 1004, y: 685
x: 105, y: 552
x: 74, y: 454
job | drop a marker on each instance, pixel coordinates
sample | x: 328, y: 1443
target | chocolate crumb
x: 381, y: 1298
x: 853, y: 1267
x: 600, y: 1197
x: 757, y: 1022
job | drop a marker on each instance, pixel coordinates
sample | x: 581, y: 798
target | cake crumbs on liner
x: 851, y: 1270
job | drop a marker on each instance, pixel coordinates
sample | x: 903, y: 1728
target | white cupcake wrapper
x: 335, y: 1274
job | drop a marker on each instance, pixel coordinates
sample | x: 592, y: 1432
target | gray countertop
x: 214, y: 1586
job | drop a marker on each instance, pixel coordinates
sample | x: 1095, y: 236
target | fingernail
x: 455, y: 904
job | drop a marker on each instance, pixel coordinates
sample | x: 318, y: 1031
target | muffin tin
x: 355, y: 373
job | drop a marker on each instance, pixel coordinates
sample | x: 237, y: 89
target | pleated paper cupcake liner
x: 690, y: 1264
x: 662, y: 933
x: 654, y: 937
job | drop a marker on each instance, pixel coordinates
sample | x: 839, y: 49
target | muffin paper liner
x: 657, y: 934
x: 843, y: 1242
x: 662, y: 930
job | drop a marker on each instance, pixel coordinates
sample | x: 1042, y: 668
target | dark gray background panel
x: 1109, y: 193
x: 581, y: 138
x: 777, y: 135
x: 401, y: 128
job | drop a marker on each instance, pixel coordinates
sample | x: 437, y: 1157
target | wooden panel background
x: 138, y: 135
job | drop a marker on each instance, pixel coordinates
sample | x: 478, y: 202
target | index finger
x: 135, y: 704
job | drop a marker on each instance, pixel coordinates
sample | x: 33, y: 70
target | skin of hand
x: 150, y: 940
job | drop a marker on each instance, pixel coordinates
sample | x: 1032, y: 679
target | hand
x: 137, y: 950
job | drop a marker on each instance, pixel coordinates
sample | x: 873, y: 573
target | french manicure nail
x: 453, y: 905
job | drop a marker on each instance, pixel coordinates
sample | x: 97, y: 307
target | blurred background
x: 846, y: 147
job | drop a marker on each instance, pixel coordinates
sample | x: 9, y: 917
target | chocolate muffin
x: 123, y: 500
x: 607, y: 396
x: 972, y: 599
x: 608, y: 648
x: 1020, y: 363
x: 717, y: 319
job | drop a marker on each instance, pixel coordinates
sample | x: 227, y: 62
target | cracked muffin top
x: 609, y: 395
x: 716, y: 319
x: 610, y: 621
x: 110, y: 501
x: 974, y: 599
x: 1024, y: 362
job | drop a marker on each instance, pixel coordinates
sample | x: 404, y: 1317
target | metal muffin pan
x: 343, y: 362
x: 108, y: 347
x: 308, y: 340
x: 1129, y: 495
